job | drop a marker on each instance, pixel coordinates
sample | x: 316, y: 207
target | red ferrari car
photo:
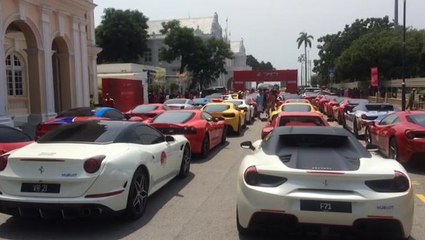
x: 203, y: 131
x: 328, y: 108
x: 347, y: 104
x: 400, y: 135
x: 294, y: 119
x: 145, y: 111
x: 12, y: 138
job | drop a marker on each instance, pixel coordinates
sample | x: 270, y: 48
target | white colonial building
x: 205, y: 27
x: 48, y: 58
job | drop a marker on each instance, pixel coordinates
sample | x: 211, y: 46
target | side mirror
x: 247, y: 145
x: 372, y: 147
x: 266, y: 131
x: 169, y: 138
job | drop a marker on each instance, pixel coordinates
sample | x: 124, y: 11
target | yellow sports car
x: 293, y: 107
x: 235, y: 118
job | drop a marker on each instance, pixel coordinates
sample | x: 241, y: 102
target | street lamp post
x: 403, y: 84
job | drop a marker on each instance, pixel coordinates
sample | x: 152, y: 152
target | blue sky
x: 270, y: 27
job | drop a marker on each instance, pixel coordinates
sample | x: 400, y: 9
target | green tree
x: 331, y: 46
x: 210, y: 61
x: 122, y: 35
x: 253, y: 62
x: 204, y: 59
x: 180, y: 42
x: 382, y: 49
x: 305, y: 39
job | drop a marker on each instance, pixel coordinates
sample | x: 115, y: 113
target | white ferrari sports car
x: 89, y: 168
x: 322, y: 176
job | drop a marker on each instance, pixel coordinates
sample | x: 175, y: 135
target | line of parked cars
x: 93, y: 160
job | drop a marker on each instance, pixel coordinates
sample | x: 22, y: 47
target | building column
x: 78, y: 97
x: 85, y: 65
x: 4, y: 118
x: 48, y: 90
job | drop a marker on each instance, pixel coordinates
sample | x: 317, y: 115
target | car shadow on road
x: 416, y: 166
x: 309, y: 233
x: 104, y: 227
x: 196, y: 159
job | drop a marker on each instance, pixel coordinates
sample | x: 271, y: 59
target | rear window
x: 77, y: 112
x: 380, y: 108
x: 144, y: 108
x: 347, y: 148
x: 300, y: 121
x: 174, y: 117
x: 216, y: 108
x: 296, y: 108
x: 418, y: 119
x: 88, y: 131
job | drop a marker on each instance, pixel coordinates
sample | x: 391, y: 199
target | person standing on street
x: 108, y: 101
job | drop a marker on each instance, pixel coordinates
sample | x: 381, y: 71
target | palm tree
x: 305, y: 38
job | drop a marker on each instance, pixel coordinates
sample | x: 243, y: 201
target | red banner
x: 374, y: 80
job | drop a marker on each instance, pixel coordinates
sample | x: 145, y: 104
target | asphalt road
x: 199, y: 207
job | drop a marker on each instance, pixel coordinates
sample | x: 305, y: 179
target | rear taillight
x: 400, y: 183
x: 253, y: 178
x: 3, y: 162
x: 189, y: 130
x: 92, y: 165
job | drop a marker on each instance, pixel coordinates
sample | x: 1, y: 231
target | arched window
x: 15, y: 75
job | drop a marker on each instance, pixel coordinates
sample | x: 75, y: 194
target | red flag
x: 374, y: 82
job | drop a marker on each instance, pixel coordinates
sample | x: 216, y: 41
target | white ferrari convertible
x: 324, y: 177
x: 89, y: 168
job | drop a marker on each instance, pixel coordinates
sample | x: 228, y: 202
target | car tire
x: 393, y: 149
x: 355, y: 130
x: 223, y: 136
x: 137, y: 195
x: 367, y: 136
x: 205, y: 146
x: 185, y: 165
x: 238, y: 131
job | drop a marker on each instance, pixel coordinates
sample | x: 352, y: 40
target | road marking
x: 415, y: 183
x: 421, y: 197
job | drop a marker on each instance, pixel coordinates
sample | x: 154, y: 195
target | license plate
x: 40, y: 187
x: 325, y: 206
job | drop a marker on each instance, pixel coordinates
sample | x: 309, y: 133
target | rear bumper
x: 49, y: 210
x: 15, y: 205
x: 393, y: 213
